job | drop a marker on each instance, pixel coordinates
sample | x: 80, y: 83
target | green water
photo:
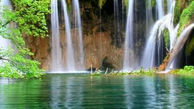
x: 82, y: 91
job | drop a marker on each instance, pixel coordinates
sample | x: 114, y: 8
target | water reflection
x: 83, y: 91
x: 172, y: 91
x: 66, y: 92
x: 139, y: 90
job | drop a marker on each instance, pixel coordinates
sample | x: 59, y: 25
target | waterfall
x: 57, y: 58
x: 163, y: 22
x: 128, y: 63
x: 148, y: 59
x: 4, y: 43
x: 178, y: 46
x: 160, y: 10
x: 57, y: 64
x: 149, y: 16
x: 79, y: 26
x: 70, y: 62
x: 116, y: 16
x: 123, y: 15
x: 117, y: 26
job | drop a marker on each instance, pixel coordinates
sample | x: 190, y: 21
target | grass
x: 186, y: 71
x: 141, y: 72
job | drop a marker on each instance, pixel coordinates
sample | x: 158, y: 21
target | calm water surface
x: 78, y: 91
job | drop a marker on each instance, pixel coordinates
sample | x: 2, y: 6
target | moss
x: 166, y: 35
x: 126, y: 3
x: 165, y: 6
x: 177, y: 11
x: 190, y: 47
x: 101, y: 3
x: 186, y: 17
x: 179, y: 6
x: 140, y: 72
x: 69, y: 7
x: 186, y: 71
x: 153, y: 2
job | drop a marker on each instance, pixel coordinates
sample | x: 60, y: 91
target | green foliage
x: 101, y: 3
x: 30, y: 15
x: 165, y: 5
x: 166, y: 35
x: 15, y: 62
x: 190, y: 47
x: 187, y: 71
x: 141, y: 72
x: 126, y: 3
x: 177, y: 11
x: 153, y: 2
x: 16, y: 65
x: 186, y: 17
x: 179, y: 6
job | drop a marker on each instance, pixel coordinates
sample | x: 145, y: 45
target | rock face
x: 103, y: 46
x: 98, y: 47
x: 41, y: 49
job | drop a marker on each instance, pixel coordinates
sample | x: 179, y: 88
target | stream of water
x: 4, y: 43
x: 129, y: 58
x: 57, y: 63
x: 78, y: 24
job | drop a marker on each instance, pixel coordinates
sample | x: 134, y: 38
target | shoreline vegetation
x: 186, y: 71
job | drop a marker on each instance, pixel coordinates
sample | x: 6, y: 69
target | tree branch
x: 1, y: 58
x: 6, y: 23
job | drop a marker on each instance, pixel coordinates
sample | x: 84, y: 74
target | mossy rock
x: 166, y: 36
x: 165, y: 5
x: 179, y: 6
x: 186, y: 17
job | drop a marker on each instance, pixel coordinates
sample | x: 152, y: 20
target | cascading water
x: 164, y: 22
x: 57, y: 64
x: 57, y: 60
x: 4, y: 43
x: 160, y: 10
x: 70, y: 62
x: 149, y: 16
x: 79, y: 26
x: 178, y: 46
x: 128, y: 62
x: 148, y: 59
x: 123, y: 14
x: 117, y: 26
